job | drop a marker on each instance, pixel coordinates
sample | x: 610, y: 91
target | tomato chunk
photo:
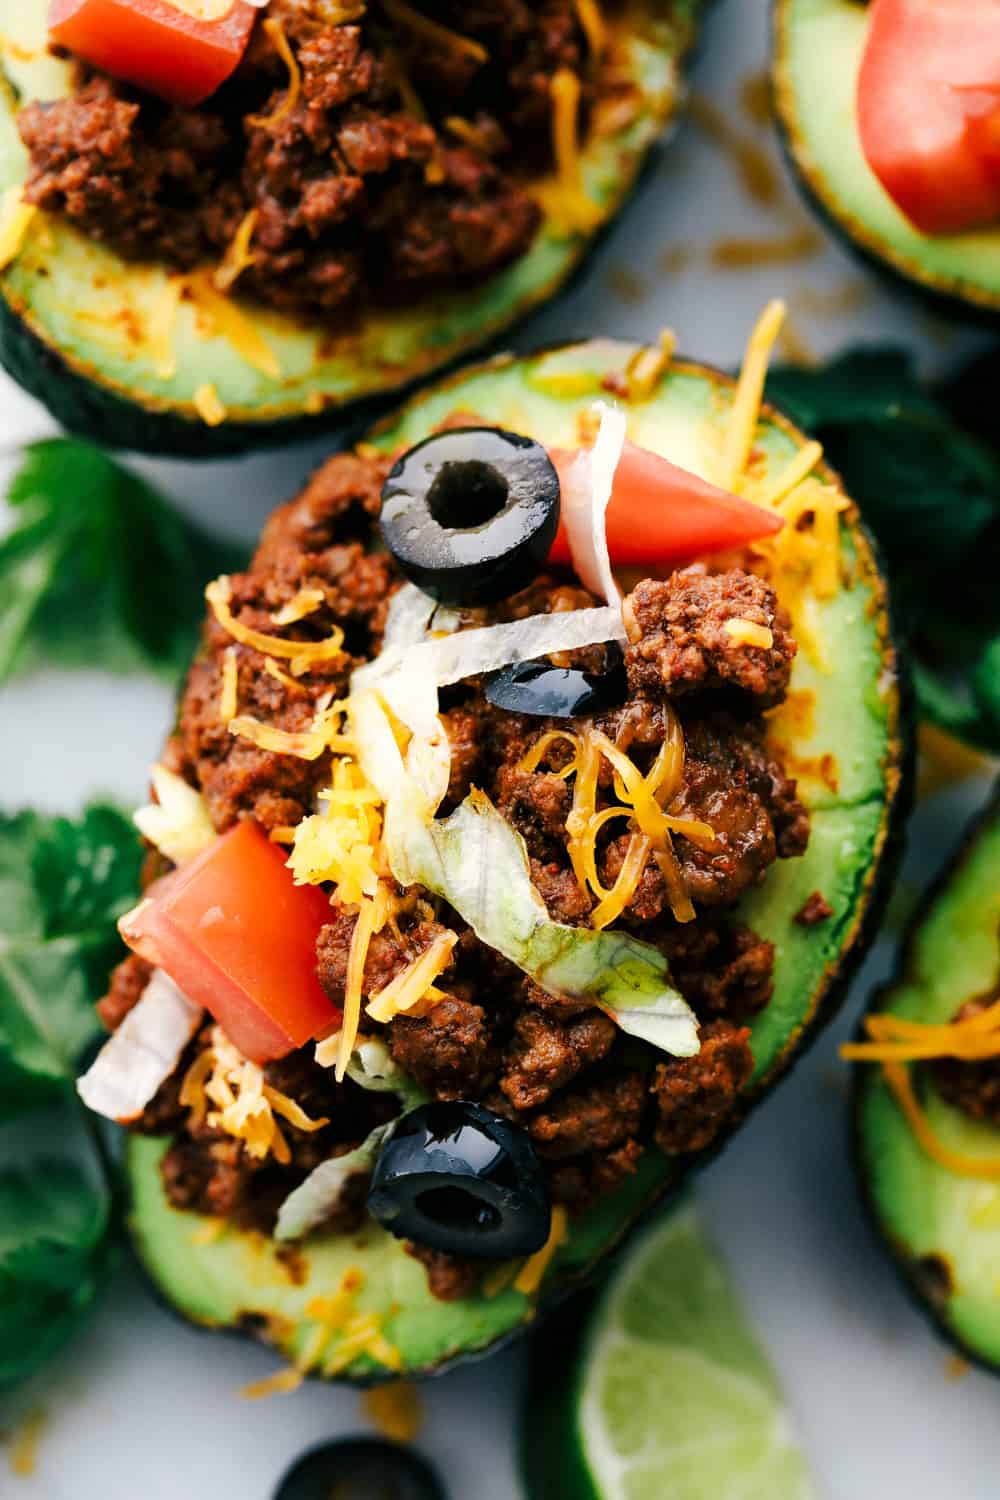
x: 180, y: 50
x: 238, y: 936
x: 928, y: 109
x: 662, y: 514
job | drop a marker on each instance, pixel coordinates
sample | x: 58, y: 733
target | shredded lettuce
x: 142, y: 1053
x: 477, y: 862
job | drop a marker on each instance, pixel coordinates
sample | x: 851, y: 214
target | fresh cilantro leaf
x: 929, y: 489
x: 53, y: 1247
x: 98, y: 568
x: 63, y: 885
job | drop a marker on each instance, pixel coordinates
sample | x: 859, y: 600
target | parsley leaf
x: 53, y: 1245
x: 63, y: 886
x: 929, y: 488
x: 99, y: 568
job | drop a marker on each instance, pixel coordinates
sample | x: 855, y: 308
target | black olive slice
x: 537, y: 687
x: 470, y: 515
x: 360, y: 1469
x: 458, y: 1178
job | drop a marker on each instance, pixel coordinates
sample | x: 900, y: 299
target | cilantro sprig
x: 97, y: 568
x: 928, y: 485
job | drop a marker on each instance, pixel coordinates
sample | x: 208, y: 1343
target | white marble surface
x: 142, y: 1406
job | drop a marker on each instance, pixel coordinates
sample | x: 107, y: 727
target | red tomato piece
x: 169, y: 49
x: 661, y: 514
x: 928, y: 109
x: 238, y: 936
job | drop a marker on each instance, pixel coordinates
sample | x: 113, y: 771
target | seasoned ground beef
x: 449, y: 1277
x: 128, y: 980
x: 814, y: 910
x: 973, y: 1087
x: 359, y: 193
x: 679, y: 642
x: 591, y: 1100
x: 695, y: 1095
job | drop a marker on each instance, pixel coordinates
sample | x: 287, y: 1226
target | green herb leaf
x: 53, y: 1244
x: 63, y: 886
x: 930, y: 491
x: 98, y: 568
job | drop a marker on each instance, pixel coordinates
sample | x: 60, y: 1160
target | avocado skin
x: 908, y: 1265
x: 982, y: 311
x: 869, y: 906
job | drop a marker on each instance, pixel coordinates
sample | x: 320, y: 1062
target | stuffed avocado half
x: 897, y: 202
x: 187, y: 356
x: 765, y: 959
x: 927, y: 1133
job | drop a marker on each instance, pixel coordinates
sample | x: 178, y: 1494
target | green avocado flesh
x: 818, y: 45
x: 855, y: 709
x: 943, y: 1228
x: 77, y: 323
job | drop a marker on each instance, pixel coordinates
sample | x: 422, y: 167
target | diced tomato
x: 238, y: 936
x: 180, y: 50
x: 928, y: 109
x: 662, y: 514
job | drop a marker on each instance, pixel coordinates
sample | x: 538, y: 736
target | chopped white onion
x: 142, y: 1053
x: 586, y: 493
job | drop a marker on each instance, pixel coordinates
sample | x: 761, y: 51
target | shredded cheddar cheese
x: 282, y: 1383
x: 341, y: 846
x: 229, y: 693
x: 162, y: 323
x: 647, y: 368
x: 471, y: 134
x: 532, y: 1272
x: 273, y: 670
x: 281, y: 45
x: 566, y: 198
x: 238, y: 257
x: 364, y: 931
x: 322, y: 735
x: 408, y: 16
x: 896, y: 1043
x: 246, y: 1107
x: 750, y: 633
x: 408, y: 990
x: 208, y: 406
x: 749, y: 394
x: 395, y: 1410
x: 592, y: 22
x: 25, y: 1440
x: 15, y: 220
x: 306, y: 602
x: 223, y: 319
x: 306, y: 653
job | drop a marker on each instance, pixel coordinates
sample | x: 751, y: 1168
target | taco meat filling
x: 592, y: 1099
x: 396, y: 163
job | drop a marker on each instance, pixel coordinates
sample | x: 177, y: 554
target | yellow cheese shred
x: 749, y: 633
x: 749, y: 393
x: 229, y: 694
x: 162, y: 322
x: 341, y: 845
x: 245, y: 1106
x: 238, y: 257
x: 306, y: 602
x: 208, y: 406
x: 895, y: 1043
x: 592, y: 22
x: 15, y: 220
x: 281, y: 45
x: 646, y: 369
x: 567, y: 199
x: 395, y: 1410
x: 225, y: 320
x: 322, y: 735
x: 530, y: 1277
x: 25, y: 1440
x: 281, y: 1383
x: 409, y: 988
x: 364, y: 930
x: 219, y: 597
x: 411, y: 19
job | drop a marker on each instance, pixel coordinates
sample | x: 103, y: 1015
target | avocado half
x: 853, y: 711
x: 818, y: 45
x: 942, y: 1229
x: 78, y: 324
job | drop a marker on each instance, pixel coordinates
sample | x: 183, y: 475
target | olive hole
x: 454, y: 1208
x: 466, y: 493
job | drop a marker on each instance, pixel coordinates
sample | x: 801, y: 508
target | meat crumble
x: 398, y: 167
x: 592, y: 1100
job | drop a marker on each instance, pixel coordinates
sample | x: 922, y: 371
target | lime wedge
x: 671, y: 1397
